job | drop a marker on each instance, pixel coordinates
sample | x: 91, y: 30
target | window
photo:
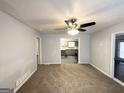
x: 71, y: 44
x: 121, y: 52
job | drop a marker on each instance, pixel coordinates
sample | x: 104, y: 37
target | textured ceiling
x: 47, y: 15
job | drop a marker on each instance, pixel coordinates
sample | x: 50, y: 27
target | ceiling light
x: 73, y: 32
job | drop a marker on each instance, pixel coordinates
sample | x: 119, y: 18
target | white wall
x: 64, y: 43
x: 101, y: 47
x: 17, y: 51
x: 51, y: 47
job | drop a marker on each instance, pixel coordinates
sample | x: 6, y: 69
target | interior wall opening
x: 69, y: 48
x: 38, y: 49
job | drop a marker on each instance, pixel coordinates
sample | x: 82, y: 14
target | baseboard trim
x: 118, y: 81
x: 26, y: 79
x: 83, y: 63
x: 50, y: 63
x: 101, y: 70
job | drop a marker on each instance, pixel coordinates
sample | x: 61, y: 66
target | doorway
x: 38, y: 50
x: 119, y: 58
x: 69, y: 48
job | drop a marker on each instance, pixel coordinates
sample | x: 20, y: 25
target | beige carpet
x: 70, y: 78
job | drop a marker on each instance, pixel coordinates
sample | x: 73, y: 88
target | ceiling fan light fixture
x: 73, y: 28
x: 73, y: 32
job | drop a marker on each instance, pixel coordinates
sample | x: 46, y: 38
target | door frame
x: 78, y: 47
x: 39, y: 50
x: 113, y: 38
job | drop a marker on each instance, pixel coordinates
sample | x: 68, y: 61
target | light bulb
x: 73, y: 32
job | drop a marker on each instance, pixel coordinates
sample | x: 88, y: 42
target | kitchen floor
x: 69, y: 60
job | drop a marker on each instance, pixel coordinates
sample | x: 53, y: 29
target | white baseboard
x: 118, y: 81
x: 49, y: 63
x: 17, y: 88
x: 101, y: 70
x: 83, y: 63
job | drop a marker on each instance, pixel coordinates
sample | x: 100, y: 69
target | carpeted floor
x: 70, y: 78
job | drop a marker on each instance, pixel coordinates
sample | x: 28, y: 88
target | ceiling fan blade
x: 87, y: 24
x: 82, y: 30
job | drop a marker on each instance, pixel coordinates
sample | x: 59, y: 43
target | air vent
x: 6, y: 90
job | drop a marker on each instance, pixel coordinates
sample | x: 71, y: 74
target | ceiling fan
x: 73, y: 28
